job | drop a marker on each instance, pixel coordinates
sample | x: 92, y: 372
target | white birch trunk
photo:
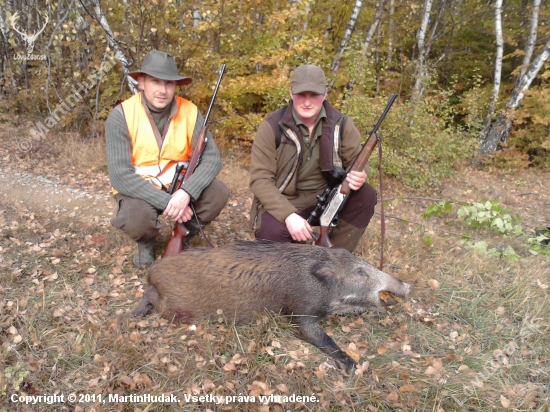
x: 100, y: 15
x: 347, y: 35
x: 197, y: 17
x: 391, y: 30
x: 421, y: 70
x: 532, y: 39
x: 498, y: 66
x: 501, y: 128
x: 373, y: 27
x: 3, y: 25
x: 327, y: 31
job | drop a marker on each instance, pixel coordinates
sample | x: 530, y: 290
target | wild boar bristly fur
x: 306, y: 282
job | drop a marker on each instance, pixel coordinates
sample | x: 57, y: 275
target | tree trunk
x: 498, y: 66
x: 113, y: 43
x: 421, y: 71
x: 531, y: 40
x: 373, y: 27
x: 501, y: 128
x: 347, y: 35
x: 391, y: 30
x: 327, y: 31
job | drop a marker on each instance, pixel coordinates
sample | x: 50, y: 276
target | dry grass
x: 474, y: 335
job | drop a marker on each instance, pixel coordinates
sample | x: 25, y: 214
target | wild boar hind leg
x: 312, y: 332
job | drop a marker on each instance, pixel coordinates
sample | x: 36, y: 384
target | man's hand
x: 178, y: 206
x: 298, y: 227
x: 356, y: 179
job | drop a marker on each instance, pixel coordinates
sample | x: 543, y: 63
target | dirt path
x: 36, y: 192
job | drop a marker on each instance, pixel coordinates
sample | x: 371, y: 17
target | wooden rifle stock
x: 344, y: 189
x: 175, y: 242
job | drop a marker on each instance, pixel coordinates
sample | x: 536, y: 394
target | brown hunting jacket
x: 273, y: 168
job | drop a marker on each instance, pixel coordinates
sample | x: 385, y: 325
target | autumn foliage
x: 262, y: 42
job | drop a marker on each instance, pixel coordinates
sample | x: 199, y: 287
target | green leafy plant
x: 492, y: 216
x: 438, y: 209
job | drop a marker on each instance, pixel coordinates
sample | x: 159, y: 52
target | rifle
x: 175, y: 243
x: 332, y: 200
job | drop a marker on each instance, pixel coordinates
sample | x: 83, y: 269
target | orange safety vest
x: 151, y: 163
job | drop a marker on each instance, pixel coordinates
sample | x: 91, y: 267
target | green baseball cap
x: 308, y: 78
x: 161, y: 65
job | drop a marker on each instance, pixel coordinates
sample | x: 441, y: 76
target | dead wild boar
x: 307, y: 282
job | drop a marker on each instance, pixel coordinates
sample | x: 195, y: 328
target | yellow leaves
x: 388, y: 297
x: 352, y: 354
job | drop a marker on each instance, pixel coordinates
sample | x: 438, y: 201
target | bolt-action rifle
x: 332, y: 200
x: 175, y: 243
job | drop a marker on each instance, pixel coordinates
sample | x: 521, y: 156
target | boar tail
x: 148, y: 302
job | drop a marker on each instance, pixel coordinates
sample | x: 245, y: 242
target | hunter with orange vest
x: 147, y: 135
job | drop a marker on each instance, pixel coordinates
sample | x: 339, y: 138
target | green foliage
x: 438, y: 209
x: 491, y: 216
x: 12, y: 377
x: 420, y: 142
x: 532, y: 126
x: 539, y: 241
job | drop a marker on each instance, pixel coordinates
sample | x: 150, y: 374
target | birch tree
x: 498, y: 66
x: 373, y: 27
x: 421, y: 70
x: 347, y: 36
x: 113, y: 43
x: 391, y: 30
x: 500, y: 130
x: 532, y: 39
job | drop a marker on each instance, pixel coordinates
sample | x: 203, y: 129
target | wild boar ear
x: 326, y: 272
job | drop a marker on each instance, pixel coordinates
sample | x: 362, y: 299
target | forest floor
x: 473, y: 335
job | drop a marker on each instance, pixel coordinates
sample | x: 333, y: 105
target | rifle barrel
x: 391, y: 99
x: 222, y: 69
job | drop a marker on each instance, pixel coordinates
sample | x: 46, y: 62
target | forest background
x: 472, y: 76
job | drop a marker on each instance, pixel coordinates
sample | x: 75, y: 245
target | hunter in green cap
x: 294, y: 152
x: 147, y: 136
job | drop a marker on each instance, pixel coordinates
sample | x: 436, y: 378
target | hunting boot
x: 145, y: 253
x: 346, y: 236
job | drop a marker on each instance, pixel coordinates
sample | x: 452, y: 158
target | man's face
x: 159, y: 93
x: 307, y: 105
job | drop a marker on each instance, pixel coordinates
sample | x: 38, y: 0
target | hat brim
x: 317, y: 89
x: 180, y: 80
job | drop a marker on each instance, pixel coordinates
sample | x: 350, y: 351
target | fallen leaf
x: 505, y: 402
x: 408, y: 388
x: 392, y: 397
x: 353, y: 355
x: 434, y: 284
x: 386, y: 296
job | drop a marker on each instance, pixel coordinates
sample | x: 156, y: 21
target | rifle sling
x: 382, y: 219
x: 200, y: 226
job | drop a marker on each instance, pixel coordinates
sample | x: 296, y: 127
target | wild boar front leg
x: 311, y: 331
